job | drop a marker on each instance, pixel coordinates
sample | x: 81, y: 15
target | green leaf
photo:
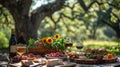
x: 31, y: 42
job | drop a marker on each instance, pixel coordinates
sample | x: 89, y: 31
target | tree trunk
x: 25, y: 26
x: 94, y: 32
x: 27, y: 22
x: 118, y: 34
x: 117, y: 30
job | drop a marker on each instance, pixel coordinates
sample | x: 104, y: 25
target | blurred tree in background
x: 79, y: 19
x: 86, y: 19
x: 3, y: 40
x: 27, y: 20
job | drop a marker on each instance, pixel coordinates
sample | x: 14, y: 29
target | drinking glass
x: 79, y: 46
x: 68, y: 46
x: 67, y: 54
x: 69, y: 43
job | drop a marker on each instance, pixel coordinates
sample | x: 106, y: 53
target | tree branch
x: 99, y: 3
x: 46, y: 10
x: 67, y: 26
x: 6, y: 18
x: 11, y: 6
x: 8, y: 3
x: 92, y: 4
x: 71, y: 7
x: 116, y: 6
x: 52, y: 20
x: 57, y: 19
x: 116, y: 16
x: 55, y: 22
x: 17, y: 7
x: 1, y: 10
x: 71, y: 18
x: 108, y: 23
x: 84, y: 6
x: 81, y: 2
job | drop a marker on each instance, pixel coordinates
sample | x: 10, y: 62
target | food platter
x: 19, y: 64
x: 95, y: 61
x: 31, y: 60
x: 56, y: 55
x: 27, y: 60
x: 95, y: 64
x: 28, y: 63
x: 29, y: 56
x: 91, y: 57
x: 99, y: 65
x: 94, y: 56
x: 53, y: 62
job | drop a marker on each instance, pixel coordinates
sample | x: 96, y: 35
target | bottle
x: 20, y: 39
x: 21, y: 43
x: 12, y: 43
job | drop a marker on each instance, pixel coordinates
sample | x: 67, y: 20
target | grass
x: 111, y: 46
x: 99, y: 43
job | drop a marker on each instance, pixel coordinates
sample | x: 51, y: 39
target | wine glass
x: 20, y: 50
x: 67, y: 54
x: 69, y: 43
x: 79, y: 46
x: 68, y: 46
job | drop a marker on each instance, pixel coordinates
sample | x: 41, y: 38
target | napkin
x: 16, y: 64
x: 67, y: 65
x: 53, y: 62
x: 118, y: 59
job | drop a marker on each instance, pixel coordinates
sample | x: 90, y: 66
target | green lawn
x: 111, y: 46
x: 100, y: 43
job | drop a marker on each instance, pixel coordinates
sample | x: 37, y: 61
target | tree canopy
x: 79, y: 19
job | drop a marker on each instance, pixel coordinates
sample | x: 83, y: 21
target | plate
x: 27, y: 63
x: 16, y: 64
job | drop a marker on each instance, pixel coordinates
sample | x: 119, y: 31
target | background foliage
x: 97, y: 23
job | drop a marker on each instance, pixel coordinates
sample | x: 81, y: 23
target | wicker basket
x: 41, y: 49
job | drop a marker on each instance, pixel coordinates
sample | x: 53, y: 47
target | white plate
x: 16, y: 64
x: 19, y: 64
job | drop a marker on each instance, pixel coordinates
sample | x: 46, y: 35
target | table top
x: 99, y: 65
x: 5, y: 63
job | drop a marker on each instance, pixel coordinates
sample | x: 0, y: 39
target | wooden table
x: 116, y: 64
x: 5, y: 64
x: 100, y: 65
